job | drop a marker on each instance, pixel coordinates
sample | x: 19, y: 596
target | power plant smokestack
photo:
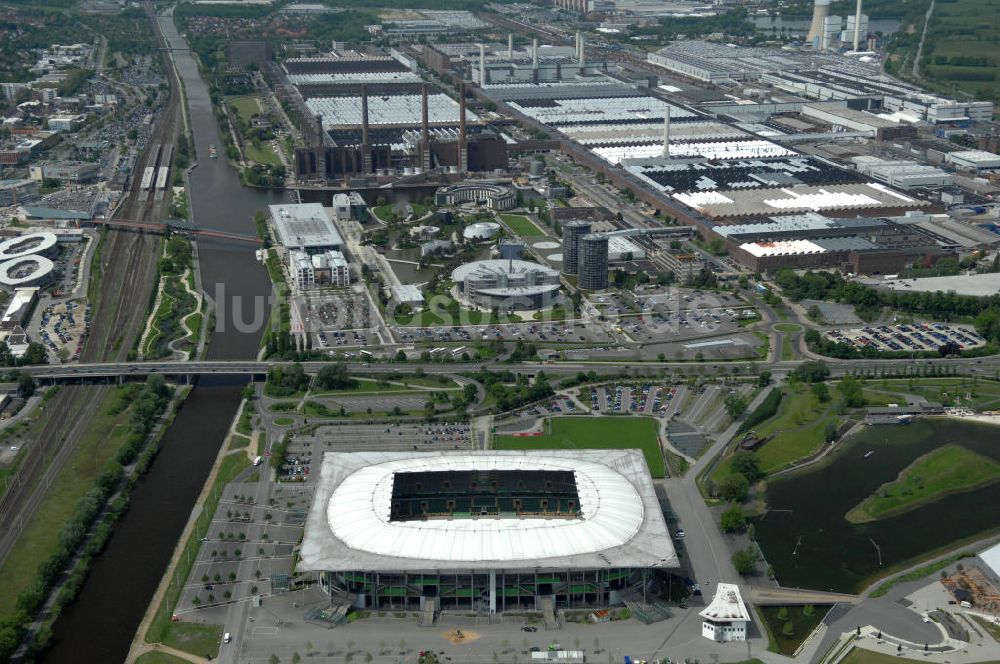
x: 857, y: 27
x: 510, y: 46
x: 582, y: 57
x: 577, y: 54
x: 482, y: 65
x: 463, y: 155
x: 817, y: 28
x: 425, y: 139
x: 534, y: 53
x: 366, y: 148
x: 666, y: 133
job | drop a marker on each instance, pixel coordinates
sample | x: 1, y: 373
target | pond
x: 810, y: 544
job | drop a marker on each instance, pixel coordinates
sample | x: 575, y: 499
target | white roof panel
x: 621, y: 523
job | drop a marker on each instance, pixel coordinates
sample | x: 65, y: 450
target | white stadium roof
x: 621, y: 522
x: 27, y: 244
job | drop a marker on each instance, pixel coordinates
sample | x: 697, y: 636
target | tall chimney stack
x: 482, y: 65
x: 425, y: 138
x: 510, y: 46
x: 534, y: 60
x: 666, y: 133
x: 577, y: 54
x: 582, y: 56
x: 366, y: 148
x: 857, y: 27
x: 463, y: 156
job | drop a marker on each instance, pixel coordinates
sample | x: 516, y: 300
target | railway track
x: 128, y: 265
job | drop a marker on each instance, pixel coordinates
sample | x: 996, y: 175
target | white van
x: 226, y: 638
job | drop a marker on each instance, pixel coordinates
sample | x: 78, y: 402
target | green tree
x: 733, y: 520
x: 735, y: 403
x: 334, y: 377
x: 821, y: 392
x: 788, y: 629
x: 734, y: 488
x: 747, y: 464
x: 745, y: 560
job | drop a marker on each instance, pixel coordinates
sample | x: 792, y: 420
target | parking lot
x: 63, y: 327
x: 538, y: 332
x: 903, y: 338
x: 338, y: 319
x: 646, y: 398
x: 382, y: 437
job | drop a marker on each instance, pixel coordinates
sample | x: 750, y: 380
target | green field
x: 262, y: 155
x: 788, y: 327
x: 946, y: 470
x: 283, y: 421
x: 521, y: 225
x: 787, y: 349
x: 594, y: 433
x: 196, y: 638
x: 803, y: 620
x: 159, y: 658
x: 799, y: 429
x: 862, y: 656
x: 246, y: 106
x: 962, y: 51
x: 980, y: 394
x: 401, y: 386
x: 40, y: 538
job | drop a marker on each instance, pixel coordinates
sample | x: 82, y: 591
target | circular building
x: 27, y: 244
x: 507, y: 284
x: 486, y: 531
x: 29, y: 270
x: 494, y: 196
x: 481, y: 231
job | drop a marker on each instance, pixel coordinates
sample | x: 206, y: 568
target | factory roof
x: 557, y: 112
x: 980, y: 285
x: 807, y: 221
x: 759, y: 149
x: 386, y: 110
x: 753, y: 202
x: 727, y: 605
x: 641, y: 132
x: 304, y: 225
x: 355, y: 77
x: 782, y: 248
x: 620, y: 522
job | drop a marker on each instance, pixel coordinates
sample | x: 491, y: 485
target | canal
x: 809, y: 543
x: 99, y: 627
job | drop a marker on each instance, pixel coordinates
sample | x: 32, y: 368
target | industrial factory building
x: 485, y: 532
x: 507, y: 284
x: 371, y: 117
x: 492, y: 195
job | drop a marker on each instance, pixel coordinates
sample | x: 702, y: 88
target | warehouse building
x: 484, y: 532
x: 903, y: 174
x: 973, y: 160
x: 306, y: 227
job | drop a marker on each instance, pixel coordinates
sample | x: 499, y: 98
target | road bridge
x: 103, y: 370
x: 161, y: 227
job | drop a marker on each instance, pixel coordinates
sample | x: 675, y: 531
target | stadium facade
x: 487, y: 532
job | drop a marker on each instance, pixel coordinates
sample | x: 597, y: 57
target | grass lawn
x: 862, y: 656
x: 195, y: 638
x: 283, y: 421
x: 799, y: 429
x: 594, y: 433
x: 787, y: 350
x: 238, y: 441
x: 448, y: 314
x: 98, y: 444
x: 946, y: 470
x: 265, y: 154
x: 993, y: 629
x: 984, y: 394
x: 788, y: 327
x: 775, y: 618
x: 246, y: 106
x: 392, y: 387
x: 159, y: 658
x: 521, y: 225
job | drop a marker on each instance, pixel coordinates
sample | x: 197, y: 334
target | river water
x: 810, y: 544
x: 99, y: 627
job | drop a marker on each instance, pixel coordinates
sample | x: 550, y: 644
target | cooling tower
x: 820, y: 11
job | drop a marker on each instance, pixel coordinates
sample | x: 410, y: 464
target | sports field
x: 562, y: 433
x: 521, y: 225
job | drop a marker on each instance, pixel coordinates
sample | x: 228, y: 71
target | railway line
x: 128, y: 274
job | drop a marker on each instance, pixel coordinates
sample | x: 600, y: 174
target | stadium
x: 492, y: 531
